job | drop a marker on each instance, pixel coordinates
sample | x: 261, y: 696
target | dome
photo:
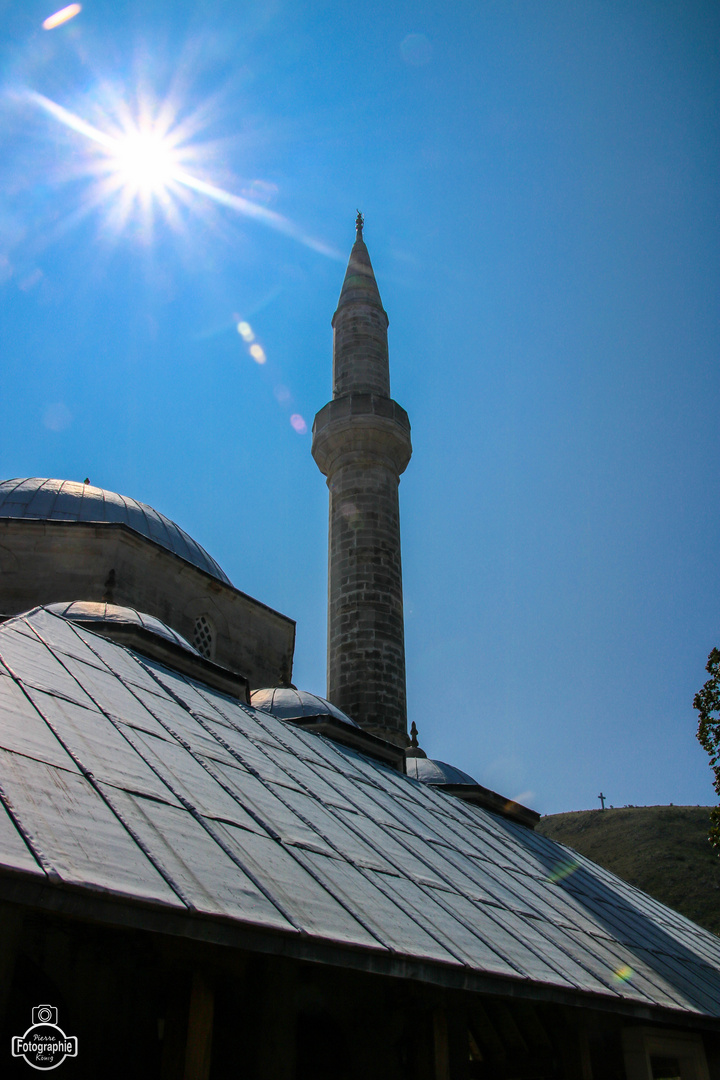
x: 65, y: 500
x: 436, y: 772
x: 287, y: 703
x: 85, y: 611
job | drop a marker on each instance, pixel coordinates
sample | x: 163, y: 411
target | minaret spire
x: 361, y: 442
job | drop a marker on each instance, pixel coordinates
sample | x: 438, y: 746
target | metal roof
x: 287, y: 703
x: 65, y: 500
x: 432, y: 771
x: 90, y: 611
x: 127, y: 782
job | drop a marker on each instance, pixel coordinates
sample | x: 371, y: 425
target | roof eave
x: 109, y: 909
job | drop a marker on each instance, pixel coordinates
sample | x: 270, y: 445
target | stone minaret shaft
x: 361, y: 442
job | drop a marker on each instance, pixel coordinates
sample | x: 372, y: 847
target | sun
x: 145, y: 162
x: 140, y: 161
x: 140, y: 172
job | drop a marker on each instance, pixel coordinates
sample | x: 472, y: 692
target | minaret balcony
x: 361, y: 427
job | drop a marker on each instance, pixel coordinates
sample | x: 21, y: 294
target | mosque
x: 206, y: 872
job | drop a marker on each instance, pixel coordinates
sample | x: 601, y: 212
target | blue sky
x: 540, y: 187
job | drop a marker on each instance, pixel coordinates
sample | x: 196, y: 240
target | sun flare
x: 141, y: 165
x: 144, y: 161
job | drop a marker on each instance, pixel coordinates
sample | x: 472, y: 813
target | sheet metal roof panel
x: 126, y: 665
x: 271, y: 811
x: 253, y: 757
x: 624, y: 919
x: 117, y: 697
x: 308, y: 746
x: 243, y: 750
x: 305, y: 776
x: 495, y: 885
x: 611, y: 968
x: 62, y: 644
x: 315, y: 911
x: 74, y: 834
x: 463, y: 937
x: 99, y: 748
x: 558, y: 905
x: 334, y: 833
x: 163, y: 712
x: 479, y: 835
x: 24, y: 731
x: 520, y: 941
x: 37, y: 500
x: 14, y: 852
x: 399, y: 855
x: 206, y: 877
x: 680, y: 929
x: 436, y: 857
x: 39, y: 667
x: 186, y: 692
x: 393, y: 926
x: 490, y: 836
x: 92, y: 505
x: 379, y: 806
x: 185, y: 728
x: 189, y: 780
x: 533, y: 895
x: 328, y: 757
x: 697, y: 983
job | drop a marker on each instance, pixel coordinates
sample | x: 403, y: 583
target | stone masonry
x: 361, y: 442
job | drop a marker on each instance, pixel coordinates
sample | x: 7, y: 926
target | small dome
x: 287, y: 703
x: 65, y: 500
x: 85, y: 611
x: 436, y: 772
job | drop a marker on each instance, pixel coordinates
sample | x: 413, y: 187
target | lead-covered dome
x: 287, y: 703
x: 88, y: 613
x: 436, y: 772
x: 65, y: 500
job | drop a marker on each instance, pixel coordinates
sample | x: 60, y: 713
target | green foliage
x: 707, y: 703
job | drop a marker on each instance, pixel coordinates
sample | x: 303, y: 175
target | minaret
x: 361, y: 442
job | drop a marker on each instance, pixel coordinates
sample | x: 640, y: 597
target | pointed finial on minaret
x: 413, y: 734
x: 359, y: 222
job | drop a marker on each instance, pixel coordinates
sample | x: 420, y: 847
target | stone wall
x: 46, y: 562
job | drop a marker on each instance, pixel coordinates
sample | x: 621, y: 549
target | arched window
x: 204, y: 637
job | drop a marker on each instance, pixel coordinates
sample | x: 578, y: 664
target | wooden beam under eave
x: 442, y: 1048
x: 198, y: 1049
x: 11, y: 924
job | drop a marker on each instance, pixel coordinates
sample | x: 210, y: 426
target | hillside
x: 664, y: 850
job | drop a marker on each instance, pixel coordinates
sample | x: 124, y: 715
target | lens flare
x: 623, y: 974
x: 258, y: 354
x: 298, y: 423
x: 563, y: 869
x: 62, y: 16
x: 351, y: 514
x: 245, y: 331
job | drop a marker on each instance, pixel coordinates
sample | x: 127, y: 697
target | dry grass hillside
x: 664, y: 850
